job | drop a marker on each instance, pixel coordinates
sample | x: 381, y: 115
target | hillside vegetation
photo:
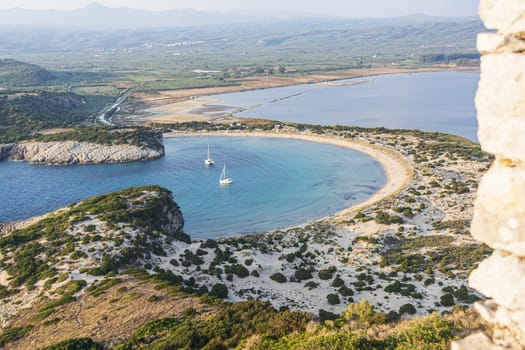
x: 23, y: 114
x: 16, y: 73
x: 103, y: 135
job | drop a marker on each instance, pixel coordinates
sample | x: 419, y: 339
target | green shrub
x: 278, y: 277
x: 407, y: 309
x: 189, y: 312
x: 153, y: 298
x: 447, y: 300
x: 76, y: 344
x: 326, y: 274
x: 405, y: 289
x: 311, y: 285
x: 303, y: 274
x: 210, y: 243
x: 333, y: 299
x: 237, y: 269
x: 392, y: 316
x: 11, y: 334
x: 337, y: 282
x: 326, y: 316
x: 345, y: 291
x: 219, y: 290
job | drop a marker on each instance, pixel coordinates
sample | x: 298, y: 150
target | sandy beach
x: 398, y: 171
x: 179, y: 112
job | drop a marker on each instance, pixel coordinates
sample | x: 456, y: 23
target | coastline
x: 398, y: 171
x: 360, y: 250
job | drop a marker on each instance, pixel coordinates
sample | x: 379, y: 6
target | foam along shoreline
x: 398, y: 171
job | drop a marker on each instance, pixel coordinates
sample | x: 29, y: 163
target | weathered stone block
x: 501, y: 105
x: 502, y: 278
x: 507, y: 16
x: 499, y: 43
x: 475, y: 341
x: 499, y: 213
x: 508, y: 325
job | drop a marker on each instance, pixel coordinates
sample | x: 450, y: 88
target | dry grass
x: 54, y: 131
x: 109, y: 317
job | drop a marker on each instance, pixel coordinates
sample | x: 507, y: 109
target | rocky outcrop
x: 72, y: 152
x: 6, y: 149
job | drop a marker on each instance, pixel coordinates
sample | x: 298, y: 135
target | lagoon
x: 277, y: 183
x: 436, y: 101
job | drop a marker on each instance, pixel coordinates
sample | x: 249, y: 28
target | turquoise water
x: 277, y: 182
x: 442, y: 101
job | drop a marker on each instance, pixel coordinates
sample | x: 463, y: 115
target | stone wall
x: 499, y: 218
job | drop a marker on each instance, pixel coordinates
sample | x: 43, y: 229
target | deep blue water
x: 441, y: 101
x: 277, y: 182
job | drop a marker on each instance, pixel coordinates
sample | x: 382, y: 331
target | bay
x: 277, y: 183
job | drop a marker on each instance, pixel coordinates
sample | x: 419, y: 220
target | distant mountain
x: 16, y: 73
x: 96, y: 16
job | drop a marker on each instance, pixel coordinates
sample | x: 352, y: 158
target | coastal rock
x: 6, y: 149
x: 502, y: 278
x: 500, y: 105
x: 499, y: 217
x: 475, y: 341
x: 507, y: 16
x: 498, y: 43
x: 72, y: 152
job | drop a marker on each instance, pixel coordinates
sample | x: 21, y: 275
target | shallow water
x: 277, y: 183
x: 438, y: 101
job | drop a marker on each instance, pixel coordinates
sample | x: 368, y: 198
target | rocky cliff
x: 6, y: 149
x: 73, y: 152
x: 88, y: 145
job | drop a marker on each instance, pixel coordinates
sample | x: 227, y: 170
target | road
x: 106, y: 115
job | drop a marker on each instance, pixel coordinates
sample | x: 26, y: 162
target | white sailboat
x: 223, y: 179
x: 208, y: 161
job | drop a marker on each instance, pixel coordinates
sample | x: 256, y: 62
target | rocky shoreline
x: 73, y: 152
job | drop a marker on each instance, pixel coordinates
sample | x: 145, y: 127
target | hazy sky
x: 345, y: 8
